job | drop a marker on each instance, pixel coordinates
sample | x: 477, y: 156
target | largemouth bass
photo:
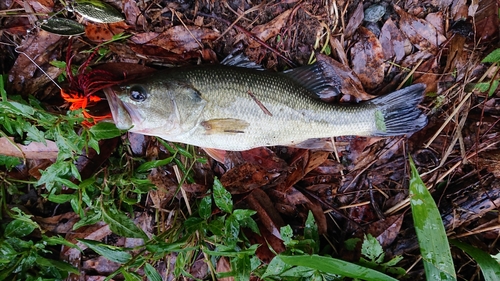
x: 237, y: 108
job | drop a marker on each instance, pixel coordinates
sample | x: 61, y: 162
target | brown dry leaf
x: 41, y: 6
x: 351, y: 86
x: 267, y: 213
x: 270, y: 29
x: 486, y: 20
x: 223, y: 265
x: 490, y: 160
x: 354, y: 21
x: 297, y: 198
x: 304, y: 162
x: 100, y: 265
x: 394, y: 43
x: 179, y: 39
x: 34, y: 150
x: 144, y: 37
x: 37, y: 48
x: 386, y: 230
x: 368, y: 59
x: 245, y: 177
x: 101, y: 32
x: 421, y: 33
x: 58, y: 224
x: 264, y: 157
x: 265, y: 241
x: 133, y: 15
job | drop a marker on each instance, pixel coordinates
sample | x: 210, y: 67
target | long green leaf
x: 120, y: 224
x: 336, y: 266
x: 222, y: 197
x: 431, y: 234
x: 112, y: 253
x: 489, y: 266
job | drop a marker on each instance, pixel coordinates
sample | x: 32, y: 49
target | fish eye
x: 138, y: 93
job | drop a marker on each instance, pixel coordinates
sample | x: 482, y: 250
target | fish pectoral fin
x: 224, y: 126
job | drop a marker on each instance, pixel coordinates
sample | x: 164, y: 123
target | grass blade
x: 336, y: 266
x: 489, y: 266
x: 431, y: 234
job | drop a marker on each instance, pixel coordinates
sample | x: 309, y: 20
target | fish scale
x: 234, y: 108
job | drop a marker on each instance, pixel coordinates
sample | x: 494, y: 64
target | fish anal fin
x: 225, y: 126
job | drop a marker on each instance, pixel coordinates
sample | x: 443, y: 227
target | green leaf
x: 275, y: 267
x: 112, y: 253
x: 65, y: 267
x: 431, y: 234
x: 492, y: 57
x: 105, y: 130
x: 9, y: 162
x: 489, y: 266
x: 372, y: 249
x: 241, y: 265
x: 311, y: 231
x: 120, y: 224
x: 205, y: 209
x: 153, y: 164
x: 130, y: 276
x: 3, y: 93
x: 21, y: 226
x: 336, y: 266
x: 151, y: 273
x: 222, y: 197
x: 286, y: 234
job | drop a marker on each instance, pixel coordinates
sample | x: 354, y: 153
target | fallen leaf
x: 34, y: 150
x: 386, y: 231
x: 223, y: 265
x: 368, y: 59
x: 355, y: 21
x: 421, y: 33
x: 393, y: 41
x: 270, y: 29
x: 179, y: 39
x: 267, y: 213
x: 245, y: 177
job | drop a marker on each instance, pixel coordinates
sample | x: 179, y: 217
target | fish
x: 237, y: 105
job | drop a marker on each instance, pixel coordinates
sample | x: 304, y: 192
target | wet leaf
x: 179, y: 39
x: 421, y: 34
x: 270, y: 29
x: 245, y: 177
x: 112, y: 253
x: 19, y: 228
x: 222, y: 197
x: 105, y: 130
x: 120, y: 224
x: 393, y: 41
x: 489, y: 267
x: 151, y: 273
x: 336, y: 266
x: 431, y: 234
x: 368, y: 59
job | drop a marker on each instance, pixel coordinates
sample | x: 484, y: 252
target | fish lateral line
x: 259, y: 103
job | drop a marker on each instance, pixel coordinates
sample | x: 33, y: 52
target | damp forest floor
x: 82, y: 202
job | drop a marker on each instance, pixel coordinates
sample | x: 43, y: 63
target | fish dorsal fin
x: 240, y: 60
x: 314, y: 78
x: 224, y: 126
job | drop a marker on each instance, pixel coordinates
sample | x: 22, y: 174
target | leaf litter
x: 360, y: 188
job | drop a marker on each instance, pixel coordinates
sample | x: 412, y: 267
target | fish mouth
x: 123, y: 115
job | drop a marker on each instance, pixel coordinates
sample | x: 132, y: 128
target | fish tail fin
x: 398, y: 113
